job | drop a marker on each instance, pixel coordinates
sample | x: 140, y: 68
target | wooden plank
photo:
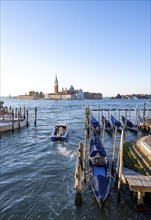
x: 139, y: 183
x: 146, y: 180
x: 133, y: 180
x: 140, y: 188
x: 139, y: 180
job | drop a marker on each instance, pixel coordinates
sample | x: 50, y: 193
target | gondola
x: 117, y: 123
x: 108, y: 126
x: 95, y: 126
x: 129, y: 125
x: 59, y: 133
x: 100, y: 178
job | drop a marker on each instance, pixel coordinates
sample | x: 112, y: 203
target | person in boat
x: 61, y: 131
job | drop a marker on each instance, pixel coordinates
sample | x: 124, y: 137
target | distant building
x: 88, y: 95
x: 80, y: 94
x: 64, y: 94
x: 71, y: 93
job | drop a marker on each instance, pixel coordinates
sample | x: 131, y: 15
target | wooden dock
x: 136, y: 182
x: 11, y: 119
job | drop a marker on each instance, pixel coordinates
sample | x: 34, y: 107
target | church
x: 64, y: 94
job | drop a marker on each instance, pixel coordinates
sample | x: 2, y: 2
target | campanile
x: 56, y: 85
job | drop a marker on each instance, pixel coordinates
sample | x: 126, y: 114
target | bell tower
x: 56, y: 85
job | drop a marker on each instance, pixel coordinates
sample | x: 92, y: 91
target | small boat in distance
x: 59, y: 133
x: 100, y: 178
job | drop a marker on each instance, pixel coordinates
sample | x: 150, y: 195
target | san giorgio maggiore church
x: 71, y: 93
x: 64, y: 94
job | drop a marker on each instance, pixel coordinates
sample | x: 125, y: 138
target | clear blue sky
x: 98, y: 46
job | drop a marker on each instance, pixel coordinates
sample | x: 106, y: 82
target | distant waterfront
x: 118, y: 96
x: 132, y: 96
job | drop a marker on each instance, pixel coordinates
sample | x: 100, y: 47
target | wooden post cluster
x: 15, y: 118
x: 81, y: 162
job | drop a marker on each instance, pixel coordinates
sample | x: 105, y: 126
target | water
x: 37, y: 175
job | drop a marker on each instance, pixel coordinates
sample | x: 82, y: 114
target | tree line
x: 36, y: 94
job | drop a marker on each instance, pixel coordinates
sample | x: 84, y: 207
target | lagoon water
x: 37, y: 175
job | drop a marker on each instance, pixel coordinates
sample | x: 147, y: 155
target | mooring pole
x: 120, y: 164
x: 24, y: 112
x: 103, y: 131
x: 85, y: 157
x: 20, y: 112
x: 12, y: 120
x: 78, y: 197
x: 144, y: 110
x: 3, y: 114
x: 87, y: 121
x: 35, y: 122
x: 27, y: 118
x: 19, y: 119
x: 80, y: 155
x: 15, y: 112
x: 114, y: 150
x: 119, y: 116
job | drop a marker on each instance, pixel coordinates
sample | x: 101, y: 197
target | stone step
x: 141, y: 158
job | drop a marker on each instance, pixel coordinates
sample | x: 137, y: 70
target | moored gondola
x: 129, y: 125
x: 106, y: 123
x: 95, y: 126
x: 100, y: 177
x: 117, y: 123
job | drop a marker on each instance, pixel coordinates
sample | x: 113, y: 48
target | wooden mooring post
x: 78, y: 176
x: 27, y: 118
x: 80, y: 155
x: 85, y: 156
x: 3, y: 114
x: 114, y: 150
x: 78, y: 198
x: 24, y: 113
x: 87, y: 124
x: 12, y: 120
x: 35, y: 121
x: 120, y: 164
x: 19, y: 119
x: 20, y: 112
x: 103, y: 132
x: 15, y: 112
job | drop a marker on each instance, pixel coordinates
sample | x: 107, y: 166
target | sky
x: 97, y: 46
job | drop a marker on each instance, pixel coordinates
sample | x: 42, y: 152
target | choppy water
x: 37, y: 175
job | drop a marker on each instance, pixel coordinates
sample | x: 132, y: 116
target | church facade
x: 64, y: 94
